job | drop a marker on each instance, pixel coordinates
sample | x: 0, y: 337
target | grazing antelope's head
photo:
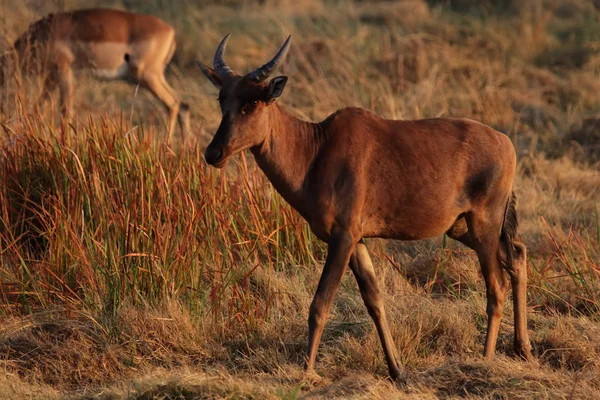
x: 6, y: 64
x: 244, y: 102
x: 3, y: 65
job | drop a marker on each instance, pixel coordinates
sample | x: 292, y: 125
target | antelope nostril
x: 213, y: 154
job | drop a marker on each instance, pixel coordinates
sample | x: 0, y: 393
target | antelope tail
x: 510, y: 226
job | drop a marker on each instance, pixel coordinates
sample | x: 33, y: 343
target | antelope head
x: 244, y: 102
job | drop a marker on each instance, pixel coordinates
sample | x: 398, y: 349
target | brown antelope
x: 356, y: 175
x: 110, y: 44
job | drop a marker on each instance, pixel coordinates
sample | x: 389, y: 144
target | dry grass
x: 128, y: 269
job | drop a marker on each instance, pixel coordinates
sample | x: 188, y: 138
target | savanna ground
x: 129, y: 269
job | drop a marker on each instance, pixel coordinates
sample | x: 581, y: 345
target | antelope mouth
x: 221, y: 163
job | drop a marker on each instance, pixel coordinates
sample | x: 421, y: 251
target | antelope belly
x: 104, y: 60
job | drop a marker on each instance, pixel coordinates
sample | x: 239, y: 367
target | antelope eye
x: 249, y: 107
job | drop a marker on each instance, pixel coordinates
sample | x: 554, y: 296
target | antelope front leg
x: 340, y: 249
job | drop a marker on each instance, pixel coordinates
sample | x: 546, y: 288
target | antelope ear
x: 276, y: 87
x: 210, y: 74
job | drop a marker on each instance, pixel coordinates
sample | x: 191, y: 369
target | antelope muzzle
x: 213, y: 155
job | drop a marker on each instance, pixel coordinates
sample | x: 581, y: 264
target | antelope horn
x: 262, y: 73
x: 221, y: 68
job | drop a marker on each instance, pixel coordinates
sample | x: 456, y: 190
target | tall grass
x: 107, y: 218
x: 567, y: 278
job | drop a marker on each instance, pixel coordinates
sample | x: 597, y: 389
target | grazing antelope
x: 356, y: 175
x: 110, y: 44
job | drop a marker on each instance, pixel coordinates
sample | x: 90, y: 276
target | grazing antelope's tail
x: 510, y: 226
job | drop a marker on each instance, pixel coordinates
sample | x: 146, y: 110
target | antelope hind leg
x: 362, y: 267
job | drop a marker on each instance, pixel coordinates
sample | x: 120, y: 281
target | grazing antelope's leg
x: 65, y: 74
x: 56, y: 77
x: 518, y: 277
x: 362, y: 267
x: 155, y: 82
x: 50, y: 83
x: 340, y: 249
x: 184, y: 119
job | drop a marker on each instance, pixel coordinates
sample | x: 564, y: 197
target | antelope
x: 355, y: 175
x: 110, y: 44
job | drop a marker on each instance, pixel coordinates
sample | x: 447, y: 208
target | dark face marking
x: 243, y: 124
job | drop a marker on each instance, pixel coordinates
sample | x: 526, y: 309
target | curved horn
x: 221, y: 68
x: 262, y: 73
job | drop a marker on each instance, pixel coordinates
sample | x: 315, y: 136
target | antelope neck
x: 287, y: 153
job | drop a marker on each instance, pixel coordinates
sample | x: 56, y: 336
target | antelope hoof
x: 523, y: 351
x: 398, y: 376
x: 311, y: 376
